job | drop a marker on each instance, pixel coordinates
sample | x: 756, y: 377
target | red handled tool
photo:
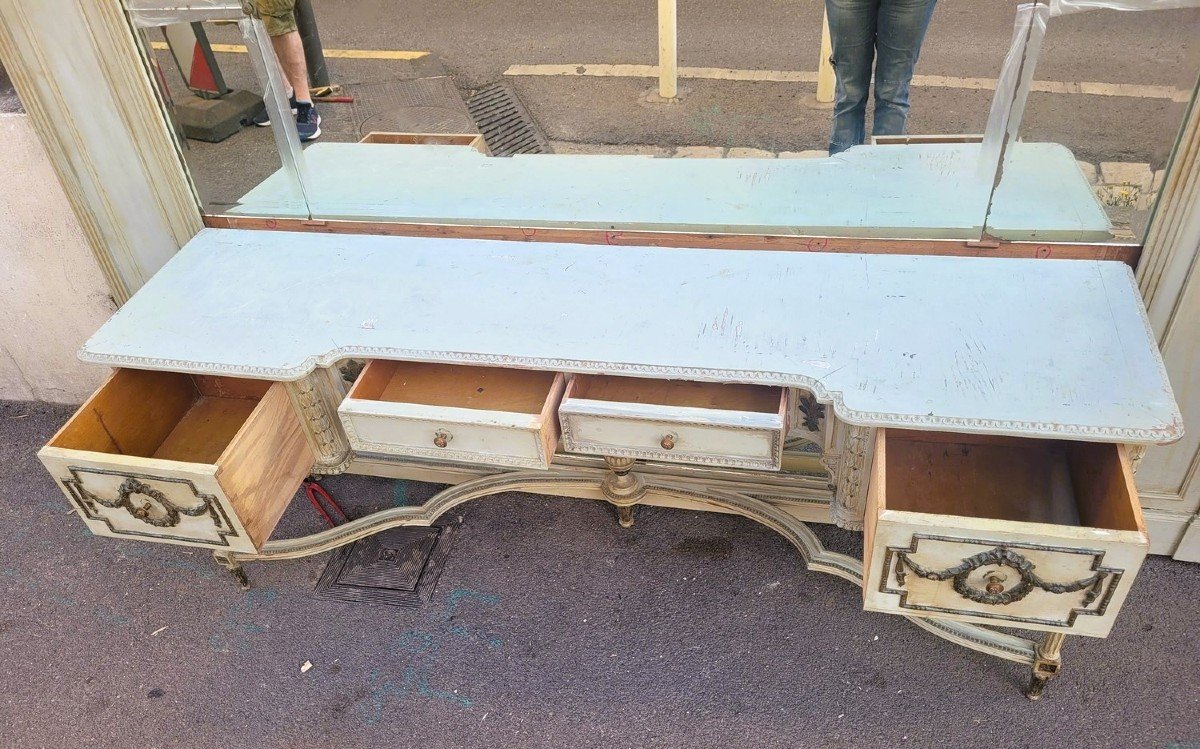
x: 317, y: 495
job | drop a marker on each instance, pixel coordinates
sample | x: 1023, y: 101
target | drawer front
x: 1001, y: 531
x: 200, y: 461
x: 1009, y: 580
x: 667, y: 440
x: 147, y: 499
x: 374, y: 427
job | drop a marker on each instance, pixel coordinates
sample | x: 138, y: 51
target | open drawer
x: 1038, y: 534
x: 174, y: 458
x: 454, y: 412
x: 708, y: 423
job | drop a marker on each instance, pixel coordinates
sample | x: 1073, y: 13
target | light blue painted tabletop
x: 1051, y: 348
x: 923, y: 191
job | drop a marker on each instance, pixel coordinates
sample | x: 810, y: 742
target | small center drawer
x: 192, y: 460
x: 451, y: 412
x: 740, y: 426
x: 1031, y: 533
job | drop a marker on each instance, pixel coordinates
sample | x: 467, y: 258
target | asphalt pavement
x: 967, y: 39
x: 551, y: 627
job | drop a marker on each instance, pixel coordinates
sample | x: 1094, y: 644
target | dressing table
x: 979, y: 420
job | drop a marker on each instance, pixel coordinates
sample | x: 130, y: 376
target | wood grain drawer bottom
x: 172, y: 458
x: 1037, y: 534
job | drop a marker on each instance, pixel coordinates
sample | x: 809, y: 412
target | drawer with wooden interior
x: 174, y: 458
x: 708, y: 423
x: 1009, y: 531
x: 452, y: 412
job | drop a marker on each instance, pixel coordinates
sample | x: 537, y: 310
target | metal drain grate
x: 505, y: 123
x: 398, y: 567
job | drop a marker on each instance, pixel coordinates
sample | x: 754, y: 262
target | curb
x: 1117, y: 184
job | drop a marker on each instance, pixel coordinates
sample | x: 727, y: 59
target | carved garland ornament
x: 813, y: 412
x: 996, y: 594
x: 169, y: 512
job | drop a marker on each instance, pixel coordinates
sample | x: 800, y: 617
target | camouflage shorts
x: 279, y: 16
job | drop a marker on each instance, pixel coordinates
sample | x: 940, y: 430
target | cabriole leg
x: 229, y: 562
x: 1047, y: 663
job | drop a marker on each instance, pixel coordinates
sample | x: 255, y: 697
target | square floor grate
x: 397, y: 567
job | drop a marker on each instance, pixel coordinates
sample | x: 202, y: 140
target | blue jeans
x: 887, y: 33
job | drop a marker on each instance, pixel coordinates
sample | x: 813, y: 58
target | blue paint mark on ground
x: 238, y: 630
x: 101, y: 612
x: 420, y: 651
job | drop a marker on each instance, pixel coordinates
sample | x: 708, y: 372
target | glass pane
x: 1109, y: 97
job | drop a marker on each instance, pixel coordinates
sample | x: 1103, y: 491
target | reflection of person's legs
x: 852, y: 33
x: 279, y: 18
x: 290, y: 52
x: 902, y: 25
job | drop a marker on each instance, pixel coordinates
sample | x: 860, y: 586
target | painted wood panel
x: 119, y: 165
x: 1036, y: 347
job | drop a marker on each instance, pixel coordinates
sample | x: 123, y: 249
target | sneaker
x: 263, y: 119
x: 308, y: 122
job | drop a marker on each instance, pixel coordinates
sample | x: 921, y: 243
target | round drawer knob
x: 441, y: 438
x: 995, y: 585
x: 668, y: 442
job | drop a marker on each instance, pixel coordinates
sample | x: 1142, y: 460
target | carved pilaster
x: 316, y: 398
x: 850, y: 489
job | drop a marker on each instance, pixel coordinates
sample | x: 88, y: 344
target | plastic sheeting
x: 1065, y: 7
x: 151, y: 13
x: 1012, y: 87
x: 283, y: 124
x: 1016, y: 74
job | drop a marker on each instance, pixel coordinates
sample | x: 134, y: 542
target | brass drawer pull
x: 441, y: 438
x: 995, y: 584
x: 668, y: 441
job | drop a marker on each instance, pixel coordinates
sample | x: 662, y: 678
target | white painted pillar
x: 80, y: 75
x: 1168, y: 273
x: 668, y: 50
x: 825, y: 76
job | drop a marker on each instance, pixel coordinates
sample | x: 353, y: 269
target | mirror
x: 206, y: 79
x: 456, y: 134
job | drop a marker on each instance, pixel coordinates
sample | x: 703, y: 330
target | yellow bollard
x: 668, y: 51
x: 825, y: 76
